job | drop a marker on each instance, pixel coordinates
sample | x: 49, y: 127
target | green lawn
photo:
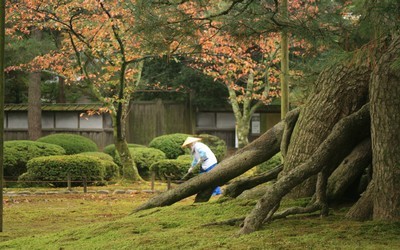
x: 98, y: 221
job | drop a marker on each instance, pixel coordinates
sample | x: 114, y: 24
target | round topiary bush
x: 73, y: 144
x: 55, y: 170
x: 144, y: 158
x: 175, y: 169
x: 111, y: 168
x: 111, y: 150
x: 18, y: 153
x: 170, y: 144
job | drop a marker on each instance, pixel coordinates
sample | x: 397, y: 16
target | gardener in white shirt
x: 203, y: 156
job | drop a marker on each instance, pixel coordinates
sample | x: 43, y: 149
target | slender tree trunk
x: 34, y: 106
x: 61, y: 91
x: 34, y: 99
x: 129, y: 169
x: 284, y: 76
x: 340, y: 91
x: 2, y: 84
x: 385, y: 117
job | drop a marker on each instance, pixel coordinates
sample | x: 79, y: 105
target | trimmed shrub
x: 111, y: 168
x: 112, y: 151
x: 144, y: 158
x: 270, y: 164
x: 18, y: 153
x: 55, y: 169
x: 73, y: 144
x: 173, y: 168
x: 170, y: 144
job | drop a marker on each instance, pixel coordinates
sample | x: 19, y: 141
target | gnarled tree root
x: 346, y: 134
x: 236, y: 188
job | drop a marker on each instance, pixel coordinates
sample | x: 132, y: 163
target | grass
x: 95, y: 221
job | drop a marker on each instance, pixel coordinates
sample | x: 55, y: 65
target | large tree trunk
x: 385, y: 117
x: 340, y: 91
x: 253, y: 154
x: 344, y: 137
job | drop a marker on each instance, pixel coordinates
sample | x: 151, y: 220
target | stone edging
x: 118, y: 191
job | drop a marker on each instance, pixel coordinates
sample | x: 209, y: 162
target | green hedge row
x: 18, y: 153
x: 55, y: 169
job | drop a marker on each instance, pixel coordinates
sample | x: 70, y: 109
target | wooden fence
x: 149, y: 119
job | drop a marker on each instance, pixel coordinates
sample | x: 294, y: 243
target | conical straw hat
x: 190, y: 140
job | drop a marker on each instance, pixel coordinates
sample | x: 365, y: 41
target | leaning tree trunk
x: 253, y: 154
x: 340, y: 91
x: 385, y: 133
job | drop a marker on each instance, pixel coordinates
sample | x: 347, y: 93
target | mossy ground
x: 96, y: 221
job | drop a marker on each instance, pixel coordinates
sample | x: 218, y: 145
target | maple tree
x: 103, y: 45
x: 245, y: 67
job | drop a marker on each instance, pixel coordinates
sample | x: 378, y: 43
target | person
x: 203, y: 156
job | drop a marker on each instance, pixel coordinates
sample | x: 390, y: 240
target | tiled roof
x: 55, y: 107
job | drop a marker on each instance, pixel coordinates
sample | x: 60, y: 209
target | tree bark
x: 129, y: 169
x: 363, y: 208
x: 253, y: 154
x: 345, y: 135
x: 340, y: 91
x: 34, y: 106
x: 384, y: 94
x: 350, y: 170
x: 236, y: 188
x: 34, y: 100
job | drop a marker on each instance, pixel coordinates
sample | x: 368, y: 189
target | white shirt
x: 202, y: 151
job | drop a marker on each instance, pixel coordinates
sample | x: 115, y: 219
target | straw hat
x: 190, y: 140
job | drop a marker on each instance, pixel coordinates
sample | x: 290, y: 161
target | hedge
x: 112, y: 151
x: 170, y: 144
x: 144, y: 157
x: 53, y: 169
x: 111, y: 168
x: 18, y: 153
x: 73, y: 144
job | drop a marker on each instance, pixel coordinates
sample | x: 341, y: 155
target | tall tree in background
x: 104, y: 46
x: 34, y: 98
x: 284, y: 77
x: 245, y: 68
x: 2, y: 81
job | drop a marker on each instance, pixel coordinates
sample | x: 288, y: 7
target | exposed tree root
x: 230, y: 222
x: 363, y: 209
x: 351, y: 169
x: 236, y: 188
x: 344, y: 137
